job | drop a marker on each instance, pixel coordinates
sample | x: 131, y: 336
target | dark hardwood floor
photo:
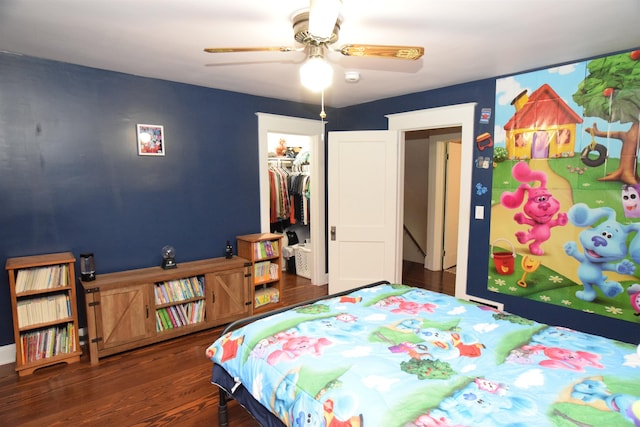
x: 162, y: 384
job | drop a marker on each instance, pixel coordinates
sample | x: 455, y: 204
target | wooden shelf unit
x: 44, y: 310
x: 130, y: 309
x: 265, y: 252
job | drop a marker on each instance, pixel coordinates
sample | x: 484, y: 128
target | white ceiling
x: 464, y: 40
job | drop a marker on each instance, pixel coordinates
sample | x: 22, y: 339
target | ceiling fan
x: 316, y: 29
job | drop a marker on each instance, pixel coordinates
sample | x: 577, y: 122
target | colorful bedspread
x: 393, y: 355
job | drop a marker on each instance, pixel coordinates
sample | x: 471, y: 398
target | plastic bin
x: 303, y: 261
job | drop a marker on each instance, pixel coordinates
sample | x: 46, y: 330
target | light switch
x: 479, y: 212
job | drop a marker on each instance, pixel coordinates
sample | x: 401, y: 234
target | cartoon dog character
x: 593, y: 390
x: 539, y: 209
x: 605, y: 248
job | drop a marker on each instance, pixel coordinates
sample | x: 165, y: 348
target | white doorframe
x: 315, y: 130
x: 449, y: 116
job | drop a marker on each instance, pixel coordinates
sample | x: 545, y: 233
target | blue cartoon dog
x: 605, y: 249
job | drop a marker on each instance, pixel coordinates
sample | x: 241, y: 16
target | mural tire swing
x: 594, y: 147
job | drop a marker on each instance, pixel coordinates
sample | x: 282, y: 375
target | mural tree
x: 611, y: 91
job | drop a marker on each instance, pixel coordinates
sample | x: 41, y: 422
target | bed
x: 394, y: 355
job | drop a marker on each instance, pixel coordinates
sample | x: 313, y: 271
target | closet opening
x: 300, y: 136
x: 289, y: 159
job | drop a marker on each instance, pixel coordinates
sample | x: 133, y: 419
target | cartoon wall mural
x: 565, y: 218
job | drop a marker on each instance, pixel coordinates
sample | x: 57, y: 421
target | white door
x: 452, y: 205
x: 364, y: 208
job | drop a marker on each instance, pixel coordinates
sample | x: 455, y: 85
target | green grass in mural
x: 582, y: 180
x: 548, y: 286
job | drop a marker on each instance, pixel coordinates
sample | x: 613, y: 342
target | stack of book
x: 177, y: 316
x: 265, y: 271
x: 266, y: 249
x: 49, y: 308
x: 40, y: 278
x: 179, y: 290
x: 49, y: 342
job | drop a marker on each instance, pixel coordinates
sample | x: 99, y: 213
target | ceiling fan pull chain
x: 323, y: 115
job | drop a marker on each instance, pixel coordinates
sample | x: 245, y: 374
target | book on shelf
x: 180, y: 315
x: 266, y: 249
x: 48, y: 342
x: 49, y: 308
x: 179, y: 290
x: 265, y: 270
x: 42, y: 278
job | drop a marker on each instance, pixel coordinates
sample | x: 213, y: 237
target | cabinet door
x: 230, y: 296
x: 123, y: 316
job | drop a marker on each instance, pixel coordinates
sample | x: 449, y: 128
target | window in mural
x: 565, y: 219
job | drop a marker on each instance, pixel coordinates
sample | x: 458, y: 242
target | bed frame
x: 248, y: 401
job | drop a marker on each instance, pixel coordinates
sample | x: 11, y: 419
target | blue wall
x: 71, y: 179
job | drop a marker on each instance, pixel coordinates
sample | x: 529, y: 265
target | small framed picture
x: 151, y: 140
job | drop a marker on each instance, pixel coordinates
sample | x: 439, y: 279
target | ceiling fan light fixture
x: 316, y: 74
x: 323, y: 15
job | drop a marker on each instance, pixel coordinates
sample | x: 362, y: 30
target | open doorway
x: 311, y: 131
x: 431, y: 201
x: 431, y: 196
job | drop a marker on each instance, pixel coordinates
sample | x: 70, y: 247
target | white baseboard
x: 7, y: 354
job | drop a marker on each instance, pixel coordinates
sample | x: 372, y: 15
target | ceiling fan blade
x: 398, y: 52
x: 249, y: 49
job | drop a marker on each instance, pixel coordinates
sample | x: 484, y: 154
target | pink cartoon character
x: 562, y: 358
x: 634, y: 298
x: 631, y: 200
x: 538, y: 210
x: 296, y: 346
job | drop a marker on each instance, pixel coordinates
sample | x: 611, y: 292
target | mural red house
x: 543, y: 126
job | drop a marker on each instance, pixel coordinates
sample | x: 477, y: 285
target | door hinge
x: 97, y: 339
x: 91, y: 290
x: 93, y: 303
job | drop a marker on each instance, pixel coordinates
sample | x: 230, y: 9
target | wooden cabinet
x: 121, y: 314
x: 45, y: 315
x: 265, y: 252
x: 129, y: 309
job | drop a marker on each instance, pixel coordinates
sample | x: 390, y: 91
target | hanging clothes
x: 279, y: 193
x: 289, y: 185
x: 300, y: 190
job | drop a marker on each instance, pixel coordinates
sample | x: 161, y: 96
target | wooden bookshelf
x: 130, y: 309
x: 44, y: 310
x: 265, y: 252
